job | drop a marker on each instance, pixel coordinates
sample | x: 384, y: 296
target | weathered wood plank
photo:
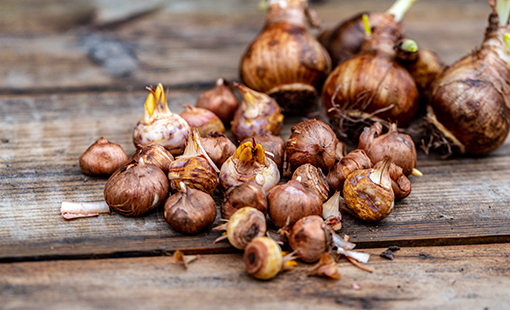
x: 194, y: 46
x: 460, y: 277
x: 457, y: 201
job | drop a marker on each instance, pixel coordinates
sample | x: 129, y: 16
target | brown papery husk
x: 190, y: 210
x: 273, y: 145
x: 397, y: 145
x: 471, y: 98
x: 346, y: 39
x: 312, y: 142
x: 285, y: 60
x: 399, y: 182
x: 291, y: 201
x: 355, y: 160
x: 202, y: 119
x: 371, y: 85
x: 136, y: 188
x: 218, y: 146
x: 313, y: 178
x: 248, y: 194
x: 154, y: 154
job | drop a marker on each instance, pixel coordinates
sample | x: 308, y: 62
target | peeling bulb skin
x: 368, y: 193
x: 313, y: 178
x: 154, y: 154
x: 397, y: 145
x: 285, y: 60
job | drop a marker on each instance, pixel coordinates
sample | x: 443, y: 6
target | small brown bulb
x: 248, y: 194
x: 399, y: 182
x: 309, y: 238
x: 368, y: 193
x: 397, y: 145
x: 355, y: 160
x: 291, y: 201
x: 313, y: 178
x: 218, y: 147
x: 312, y: 142
x: 189, y: 210
x: 263, y: 258
x: 274, y: 146
x: 102, y: 157
x: 202, y: 119
x: 220, y: 100
x: 245, y: 225
x: 156, y: 155
x: 136, y: 188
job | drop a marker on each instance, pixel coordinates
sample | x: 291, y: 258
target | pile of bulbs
x: 182, y: 160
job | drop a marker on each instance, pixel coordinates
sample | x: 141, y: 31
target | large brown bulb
x: 248, y: 194
x: 291, y: 201
x: 220, y: 100
x: 373, y: 82
x: 190, y: 210
x: 102, y: 157
x: 471, y: 98
x: 285, y: 60
x: 136, y: 188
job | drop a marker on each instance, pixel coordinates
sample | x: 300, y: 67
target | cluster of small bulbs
x: 190, y: 156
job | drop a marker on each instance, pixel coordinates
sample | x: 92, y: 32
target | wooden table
x: 56, y: 99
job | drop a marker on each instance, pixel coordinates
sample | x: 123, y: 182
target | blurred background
x: 124, y: 44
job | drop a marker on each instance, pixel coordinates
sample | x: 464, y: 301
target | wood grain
x: 458, y: 277
x: 193, y: 47
x: 457, y: 201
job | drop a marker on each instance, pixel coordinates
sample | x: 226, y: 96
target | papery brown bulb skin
x: 136, y: 188
x: 291, y: 201
x: 355, y: 160
x: 345, y: 40
x: 195, y: 172
x: 202, y: 119
x: 256, y: 116
x: 189, y: 211
x: 220, y: 100
x: 313, y: 178
x: 263, y: 258
x: 373, y: 81
x: 424, y: 69
x: 310, y: 237
x: 312, y: 142
x: 271, y: 144
x: 218, y: 147
x: 245, y: 225
x: 397, y: 145
x: 248, y: 194
x: 285, y: 60
x: 369, y: 200
x: 154, y: 154
x: 399, y: 182
x: 471, y: 98
x: 102, y: 157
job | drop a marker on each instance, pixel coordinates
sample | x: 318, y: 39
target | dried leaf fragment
x: 178, y: 256
x: 73, y: 210
x: 326, y: 267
